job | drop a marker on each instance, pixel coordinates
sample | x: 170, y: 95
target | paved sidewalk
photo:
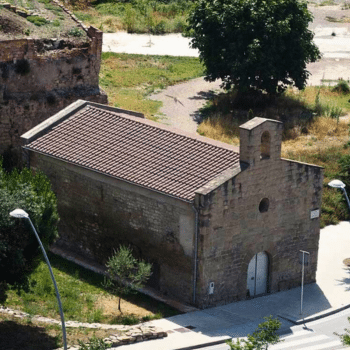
x: 328, y: 295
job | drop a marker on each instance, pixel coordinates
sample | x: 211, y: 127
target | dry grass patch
x: 223, y: 129
x: 322, y: 133
x: 315, y: 132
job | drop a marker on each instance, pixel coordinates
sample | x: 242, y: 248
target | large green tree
x: 19, y: 249
x: 254, y: 44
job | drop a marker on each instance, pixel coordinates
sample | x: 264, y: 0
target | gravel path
x: 182, y: 102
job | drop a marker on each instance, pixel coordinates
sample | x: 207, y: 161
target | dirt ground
x: 59, y: 25
x: 109, y: 305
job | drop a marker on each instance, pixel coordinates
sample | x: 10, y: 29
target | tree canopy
x: 19, y: 248
x: 254, y: 44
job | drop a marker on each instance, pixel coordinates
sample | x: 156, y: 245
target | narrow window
x: 264, y: 205
x: 265, y: 145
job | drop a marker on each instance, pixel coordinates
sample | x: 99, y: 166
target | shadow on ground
x: 346, y: 281
x: 197, y: 115
x: 14, y: 336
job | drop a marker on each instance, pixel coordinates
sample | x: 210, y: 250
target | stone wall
x: 235, y: 225
x: 40, y: 77
x: 98, y: 213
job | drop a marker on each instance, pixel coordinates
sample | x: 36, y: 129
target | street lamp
x: 341, y: 185
x: 302, y: 280
x: 21, y: 214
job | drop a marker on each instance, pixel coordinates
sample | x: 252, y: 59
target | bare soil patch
x: 10, y: 25
x: 109, y: 306
x: 56, y: 24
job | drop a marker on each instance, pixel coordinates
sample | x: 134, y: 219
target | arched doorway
x: 258, y: 274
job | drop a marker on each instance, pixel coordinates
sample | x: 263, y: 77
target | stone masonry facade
x: 39, y: 78
x: 200, y: 249
x: 234, y: 225
x: 98, y: 213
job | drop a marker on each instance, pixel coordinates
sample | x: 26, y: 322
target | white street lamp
x: 302, y: 280
x: 21, y: 214
x: 341, y: 185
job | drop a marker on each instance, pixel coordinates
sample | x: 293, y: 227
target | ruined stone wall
x: 234, y: 225
x: 98, y: 213
x: 39, y: 78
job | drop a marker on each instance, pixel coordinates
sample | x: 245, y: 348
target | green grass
x: 138, y: 16
x: 80, y: 289
x: 129, y: 79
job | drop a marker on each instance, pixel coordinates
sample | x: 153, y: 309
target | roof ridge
x: 173, y: 130
x: 133, y: 149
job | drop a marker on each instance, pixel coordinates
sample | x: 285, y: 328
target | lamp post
x: 21, y: 214
x: 302, y: 279
x: 341, y: 185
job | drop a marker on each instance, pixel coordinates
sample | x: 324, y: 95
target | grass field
x: 129, y: 79
x: 83, y: 297
x: 137, y: 16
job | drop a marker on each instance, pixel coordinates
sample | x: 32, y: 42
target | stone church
x: 218, y: 223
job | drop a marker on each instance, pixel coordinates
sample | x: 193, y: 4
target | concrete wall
x: 233, y: 229
x: 37, y: 79
x: 98, y: 213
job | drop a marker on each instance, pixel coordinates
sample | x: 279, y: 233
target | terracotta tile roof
x: 136, y: 150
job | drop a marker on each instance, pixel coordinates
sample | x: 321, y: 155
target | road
x: 317, y: 335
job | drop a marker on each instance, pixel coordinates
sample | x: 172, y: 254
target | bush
x: 19, y: 248
x: 94, y: 344
x: 262, y: 45
x: 342, y: 87
x: 37, y: 20
x: 344, y: 173
x: 77, y: 32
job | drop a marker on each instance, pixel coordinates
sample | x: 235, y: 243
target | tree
x: 19, y: 249
x: 126, y: 273
x: 254, y: 44
x: 265, y: 334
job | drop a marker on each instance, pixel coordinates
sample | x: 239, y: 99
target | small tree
x: 254, y: 44
x: 126, y: 273
x: 265, y: 334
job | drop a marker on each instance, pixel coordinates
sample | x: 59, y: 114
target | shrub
x: 342, y: 87
x: 344, y: 173
x: 94, y: 344
x: 77, y: 32
x: 37, y: 20
x: 56, y: 23
x: 129, y: 20
x: 19, y: 248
